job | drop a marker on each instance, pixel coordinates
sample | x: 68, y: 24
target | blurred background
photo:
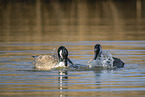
x: 71, y: 20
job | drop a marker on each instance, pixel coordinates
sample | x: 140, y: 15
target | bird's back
x: 45, y: 61
x: 118, y: 62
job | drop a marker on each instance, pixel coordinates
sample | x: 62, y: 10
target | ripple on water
x: 18, y: 77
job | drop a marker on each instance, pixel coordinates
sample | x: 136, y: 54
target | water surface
x: 19, y: 78
x: 33, y: 27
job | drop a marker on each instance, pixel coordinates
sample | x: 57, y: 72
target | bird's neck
x: 97, y: 54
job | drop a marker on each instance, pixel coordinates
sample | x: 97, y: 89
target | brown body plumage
x: 45, y: 61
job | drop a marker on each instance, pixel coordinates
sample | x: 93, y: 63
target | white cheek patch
x: 61, y: 54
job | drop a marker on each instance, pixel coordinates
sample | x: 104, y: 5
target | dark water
x: 34, y: 27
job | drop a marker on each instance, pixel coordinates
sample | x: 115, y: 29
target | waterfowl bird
x: 105, y: 59
x: 52, y: 61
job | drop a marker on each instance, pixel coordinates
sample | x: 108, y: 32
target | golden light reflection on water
x: 71, y: 20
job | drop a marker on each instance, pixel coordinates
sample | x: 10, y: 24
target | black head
x: 97, y: 50
x: 62, y: 54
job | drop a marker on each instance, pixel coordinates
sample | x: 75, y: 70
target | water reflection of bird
x: 52, y: 61
x: 104, y: 59
x: 63, y: 82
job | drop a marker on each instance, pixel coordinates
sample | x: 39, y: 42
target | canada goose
x: 52, y: 61
x: 104, y: 58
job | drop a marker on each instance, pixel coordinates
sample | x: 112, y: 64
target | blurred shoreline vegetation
x: 71, y: 20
